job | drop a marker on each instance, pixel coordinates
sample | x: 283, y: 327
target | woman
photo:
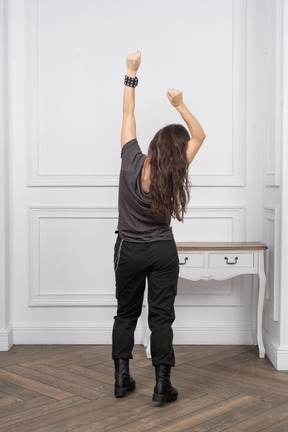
x: 152, y: 188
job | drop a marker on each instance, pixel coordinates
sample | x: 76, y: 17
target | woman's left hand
x: 175, y: 97
x: 133, y: 61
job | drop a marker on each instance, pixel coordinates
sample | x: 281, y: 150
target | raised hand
x: 133, y: 61
x: 175, y: 97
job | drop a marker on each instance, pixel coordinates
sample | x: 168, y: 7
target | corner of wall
x: 6, y: 339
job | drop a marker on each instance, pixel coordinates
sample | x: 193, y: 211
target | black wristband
x: 130, y: 82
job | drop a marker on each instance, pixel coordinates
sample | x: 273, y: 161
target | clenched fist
x: 175, y: 97
x: 133, y: 61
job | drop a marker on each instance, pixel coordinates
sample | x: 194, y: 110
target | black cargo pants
x: 133, y: 263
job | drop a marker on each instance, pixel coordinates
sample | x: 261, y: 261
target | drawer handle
x: 231, y: 263
x: 185, y: 260
x: 206, y: 278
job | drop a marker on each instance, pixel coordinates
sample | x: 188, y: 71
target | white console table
x: 220, y: 261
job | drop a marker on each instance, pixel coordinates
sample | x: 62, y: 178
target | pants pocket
x: 175, y: 288
x: 117, y: 252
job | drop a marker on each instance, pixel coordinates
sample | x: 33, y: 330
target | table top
x: 192, y: 246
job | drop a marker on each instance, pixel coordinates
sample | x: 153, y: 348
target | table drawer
x: 235, y: 259
x: 191, y: 260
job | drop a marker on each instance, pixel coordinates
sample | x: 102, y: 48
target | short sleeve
x: 131, y: 155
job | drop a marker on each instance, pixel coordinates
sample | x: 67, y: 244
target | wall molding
x: 272, y: 216
x: 35, y: 214
x: 38, y: 298
x: 271, y: 348
x: 282, y: 358
x: 40, y: 333
x: 277, y: 354
x: 236, y: 213
x: 37, y: 178
x: 222, y: 334
x: 5, y: 339
x: 231, y: 295
x: 284, y: 187
x: 274, y: 16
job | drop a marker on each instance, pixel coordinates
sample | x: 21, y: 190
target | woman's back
x: 138, y: 222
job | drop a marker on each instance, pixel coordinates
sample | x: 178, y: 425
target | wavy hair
x: 169, y: 180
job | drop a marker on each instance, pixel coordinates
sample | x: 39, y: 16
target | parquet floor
x: 59, y: 388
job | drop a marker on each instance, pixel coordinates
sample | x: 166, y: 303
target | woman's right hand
x: 175, y: 97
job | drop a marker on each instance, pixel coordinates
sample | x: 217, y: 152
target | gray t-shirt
x: 137, y: 221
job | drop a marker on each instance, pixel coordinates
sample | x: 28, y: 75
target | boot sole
x: 163, y: 398
x: 119, y: 393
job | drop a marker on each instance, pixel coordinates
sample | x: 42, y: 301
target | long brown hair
x: 169, y: 180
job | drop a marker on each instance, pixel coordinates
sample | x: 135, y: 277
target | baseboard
x: 6, y: 339
x: 278, y: 355
x: 218, y: 334
x: 204, y: 334
x: 271, y: 348
x: 282, y: 363
x: 70, y: 334
x: 63, y: 334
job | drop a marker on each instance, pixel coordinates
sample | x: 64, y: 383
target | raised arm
x: 197, y: 133
x: 128, y: 123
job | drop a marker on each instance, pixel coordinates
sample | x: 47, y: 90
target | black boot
x: 123, y: 381
x: 163, y: 391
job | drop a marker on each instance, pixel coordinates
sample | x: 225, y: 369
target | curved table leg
x: 255, y: 287
x: 261, y: 295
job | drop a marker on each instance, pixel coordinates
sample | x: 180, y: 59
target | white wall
x: 66, y: 62
x: 5, y: 327
x: 275, y: 183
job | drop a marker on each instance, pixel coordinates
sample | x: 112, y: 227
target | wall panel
x: 70, y: 74
x: 272, y: 239
x: 71, y: 250
x: 274, y: 41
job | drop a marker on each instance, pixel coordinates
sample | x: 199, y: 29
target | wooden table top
x: 186, y: 246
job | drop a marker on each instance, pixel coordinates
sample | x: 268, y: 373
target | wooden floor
x: 59, y: 388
